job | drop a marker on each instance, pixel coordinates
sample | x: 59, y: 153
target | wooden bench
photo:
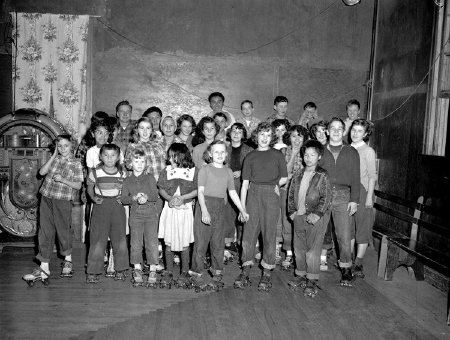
x: 399, y: 248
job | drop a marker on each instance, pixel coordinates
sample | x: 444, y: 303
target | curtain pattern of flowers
x: 50, y: 66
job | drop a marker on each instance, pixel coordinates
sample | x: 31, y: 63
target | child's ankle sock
x: 68, y: 258
x: 138, y: 266
x: 45, y: 267
x: 323, y: 258
x: 289, y: 253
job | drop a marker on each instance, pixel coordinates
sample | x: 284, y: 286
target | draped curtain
x: 50, y: 66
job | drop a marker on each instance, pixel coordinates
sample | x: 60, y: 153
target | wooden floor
x: 68, y: 308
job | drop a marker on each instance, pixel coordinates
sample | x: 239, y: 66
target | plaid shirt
x: 124, y: 135
x: 164, y: 144
x: 81, y: 152
x: 272, y: 117
x: 155, y: 156
x: 250, y: 125
x: 71, y: 170
x: 297, y: 161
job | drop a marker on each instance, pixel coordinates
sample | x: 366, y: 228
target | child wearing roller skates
x: 214, y: 180
x: 140, y: 192
x: 104, y: 185
x: 263, y: 173
x: 103, y: 133
x: 177, y: 185
x: 64, y: 175
x: 294, y: 139
x: 236, y: 153
x: 309, y: 198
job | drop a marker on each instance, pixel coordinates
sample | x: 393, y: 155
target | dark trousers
x: 342, y: 225
x: 144, y: 231
x: 107, y: 219
x: 263, y: 206
x: 54, y: 219
x: 212, y: 234
x: 308, y: 240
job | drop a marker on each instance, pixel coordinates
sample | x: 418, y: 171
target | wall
x: 212, y: 46
x: 402, y: 58
x: 248, y: 49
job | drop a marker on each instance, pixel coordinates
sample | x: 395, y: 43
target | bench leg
x: 392, y: 262
x: 383, y: 257
x: 448, y: 308
x: 417, y: 267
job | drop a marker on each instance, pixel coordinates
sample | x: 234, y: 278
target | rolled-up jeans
x: 342, y: 225
x: 263, y: 206
x: 308, y: 240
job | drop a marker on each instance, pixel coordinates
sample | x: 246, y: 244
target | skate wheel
x: 30, y: 283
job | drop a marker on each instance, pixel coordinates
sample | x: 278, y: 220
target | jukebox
x: 25, y: 138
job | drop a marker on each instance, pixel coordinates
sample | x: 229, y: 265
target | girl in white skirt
x: 177, y: 184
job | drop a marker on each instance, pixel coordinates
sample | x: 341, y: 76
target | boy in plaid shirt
x: 64, y: 175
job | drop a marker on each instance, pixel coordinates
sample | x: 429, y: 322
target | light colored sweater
x: 367, y: 164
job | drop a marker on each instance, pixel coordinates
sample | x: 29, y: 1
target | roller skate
x: 183, y: 281
x: 110, y: 272
x: 216, y: 283
x: 207, y: 262
x: 242, y: 281
x: 264, y: 283
x: 92, y: 278
x: 166, y: 280
x: 160, y: 266
x: 145, y: 269
x: 311, y: 289
x: 136, y: 278
x: 287, y: 263
x: 227, y: 257
x: 152, y: 280
x: 66, y: 270
x: 358, y: 271
x: 176, y: 260
x: 37, y: 275
x: 347, y: 277
x: 298, y: 282
x: 198, y: 282
x: 120, y: 275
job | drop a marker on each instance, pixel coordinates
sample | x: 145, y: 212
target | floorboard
x: 68, y: 308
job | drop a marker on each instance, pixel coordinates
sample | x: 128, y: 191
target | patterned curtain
x: 50, y: 66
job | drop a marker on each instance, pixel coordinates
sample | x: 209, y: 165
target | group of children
x: 188, y: 183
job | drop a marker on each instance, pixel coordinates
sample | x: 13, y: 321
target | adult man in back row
x: 216, y: 101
